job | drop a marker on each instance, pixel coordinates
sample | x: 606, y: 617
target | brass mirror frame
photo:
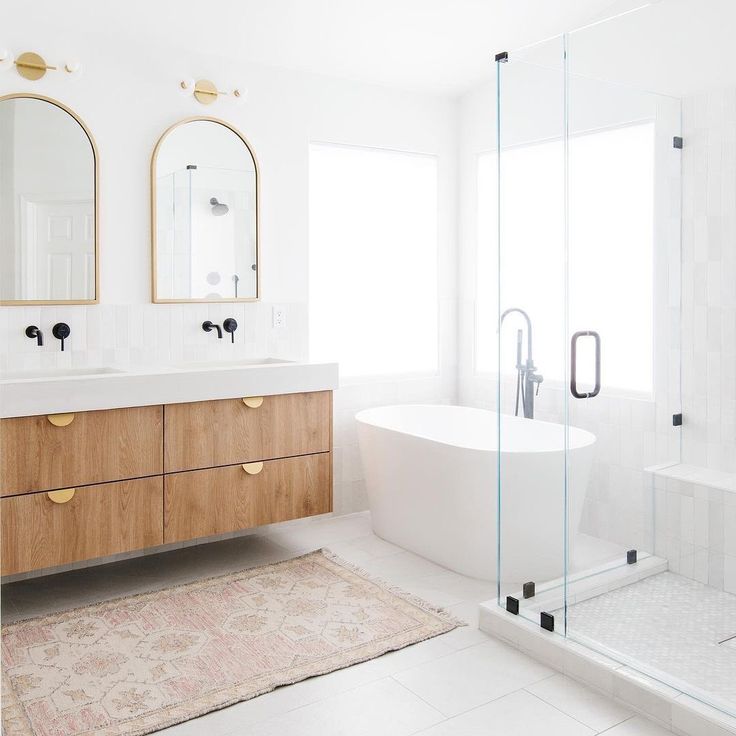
x: 154, y: 297
x: 96, y: 156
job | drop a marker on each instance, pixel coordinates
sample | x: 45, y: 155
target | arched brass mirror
x: 49, y: 244
x: 204, y: 214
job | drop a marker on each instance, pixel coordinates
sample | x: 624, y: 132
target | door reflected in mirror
x: 48, y: 204
x: 204, y: 184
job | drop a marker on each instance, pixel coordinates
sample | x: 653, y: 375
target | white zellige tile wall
x: 709, y: 280
x: 695, y: 525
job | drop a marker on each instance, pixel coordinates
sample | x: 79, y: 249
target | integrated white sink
x: 62, y: 390
x: 214, y: 364
x: 47, y: 373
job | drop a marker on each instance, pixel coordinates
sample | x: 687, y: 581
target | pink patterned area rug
x: 139, y: 664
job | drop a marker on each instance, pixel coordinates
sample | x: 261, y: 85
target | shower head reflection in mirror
x: 218, y: 208
x: 204, y: 185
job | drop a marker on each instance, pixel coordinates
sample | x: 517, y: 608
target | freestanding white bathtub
x: 432, y: 471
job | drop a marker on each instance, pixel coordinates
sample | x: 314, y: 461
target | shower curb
x: 665, y: 705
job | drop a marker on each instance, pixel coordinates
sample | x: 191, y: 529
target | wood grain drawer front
x: 95, y: 447
x: 206, y: 434
x: 97, y: 521
x: 202, y: 503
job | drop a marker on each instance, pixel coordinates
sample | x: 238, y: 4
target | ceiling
x: 438, y: 46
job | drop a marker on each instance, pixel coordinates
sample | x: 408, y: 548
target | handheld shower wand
x: 519, y: 368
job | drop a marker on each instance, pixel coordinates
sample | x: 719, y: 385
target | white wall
x: 128, y: 96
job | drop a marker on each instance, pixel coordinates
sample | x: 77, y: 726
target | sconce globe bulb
x: 73, y: 67
x: 186, y: 87
x: 6, y: 58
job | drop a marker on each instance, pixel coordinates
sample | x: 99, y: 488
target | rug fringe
x: 411, y: 598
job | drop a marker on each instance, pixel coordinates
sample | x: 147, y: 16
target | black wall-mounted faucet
x: 230, y: 325
x: 209, y: 326
x: 61, y: 331
x: 34, y: 333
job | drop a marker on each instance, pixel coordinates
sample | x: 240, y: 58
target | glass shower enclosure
x: 616, y: 347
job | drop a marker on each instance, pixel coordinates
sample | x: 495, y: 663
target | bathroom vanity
x: 98, y: 462
x: 104, y: 469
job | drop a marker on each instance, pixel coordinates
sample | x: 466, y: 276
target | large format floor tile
x: 638, y: 726
x: 517, y: 714
x: 580, y: 702
x: 472, y: 676
x: 382, y: 707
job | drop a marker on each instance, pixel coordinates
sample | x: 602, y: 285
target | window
x: 611, y: 252
x: 373, y: 274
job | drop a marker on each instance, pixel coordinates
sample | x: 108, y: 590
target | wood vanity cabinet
x: 96, y: 521
x: 61, y: 450
x: 202, y: 503
x: 207, y: 434
x: 98, y: 483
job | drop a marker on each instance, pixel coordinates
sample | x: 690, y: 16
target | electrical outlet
x: 279, y: 317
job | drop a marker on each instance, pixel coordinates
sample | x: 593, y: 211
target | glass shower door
x: 528, y: 307
x: 623, y: 297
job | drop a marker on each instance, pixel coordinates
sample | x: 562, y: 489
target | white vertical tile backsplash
x: 145, y: 335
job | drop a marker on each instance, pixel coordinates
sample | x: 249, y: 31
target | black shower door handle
x: 574, y: 365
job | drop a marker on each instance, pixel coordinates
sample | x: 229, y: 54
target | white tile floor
x: 459, y: 684
x: 671, y: 624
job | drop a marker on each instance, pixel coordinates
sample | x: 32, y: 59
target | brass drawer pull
x: 253, y: 401
x: 63, y: 496
x: 60, y: 420
x: 252, y: 468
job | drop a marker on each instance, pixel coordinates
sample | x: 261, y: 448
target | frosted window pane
x: 611, y: 252
x: 373, y: 280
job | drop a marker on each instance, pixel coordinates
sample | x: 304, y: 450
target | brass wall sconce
x: 205, y: 92
x: 33, y: 66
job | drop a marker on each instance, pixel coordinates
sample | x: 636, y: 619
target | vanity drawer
x: 45, y: 452
x: 206, y: 434
x: 202, y: 503
x: 96, y: 521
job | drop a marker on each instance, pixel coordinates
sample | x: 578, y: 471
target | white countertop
x: 24, y: 395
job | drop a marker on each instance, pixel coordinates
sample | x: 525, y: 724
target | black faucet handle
x: 35, y: 334
x: 208, y: 326
x: 61, y: 331
x: 230, y: 325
